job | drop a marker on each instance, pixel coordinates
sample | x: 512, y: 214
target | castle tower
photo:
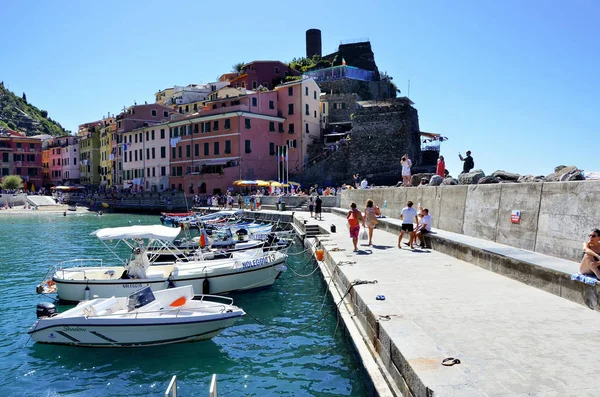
x: 313, y: 42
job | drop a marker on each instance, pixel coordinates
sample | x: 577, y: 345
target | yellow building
x: 164, y: 96
x: 46, y: 166
x: 107, y: 134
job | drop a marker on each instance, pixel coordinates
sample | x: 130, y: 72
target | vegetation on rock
x: 306, y: 64
x: 19, y: 115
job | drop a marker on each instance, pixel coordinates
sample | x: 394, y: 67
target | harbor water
x: 289, y: 344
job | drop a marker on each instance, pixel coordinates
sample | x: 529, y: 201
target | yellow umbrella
x: 276, y: 184
x: 294, y: 183
x: 262, y: 183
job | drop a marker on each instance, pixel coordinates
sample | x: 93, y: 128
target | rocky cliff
x: 19, y: 115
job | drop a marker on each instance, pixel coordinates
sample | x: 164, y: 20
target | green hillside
x: 17, y: 114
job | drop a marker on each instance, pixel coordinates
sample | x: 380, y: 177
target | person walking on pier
x: 591, y: 254
x: 318, y: 204
x: 407, y: 215
x: 354, y: 217
x: 311, y: 206
x: 370, y: 219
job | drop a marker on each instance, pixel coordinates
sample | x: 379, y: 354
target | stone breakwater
x: 561, y: 173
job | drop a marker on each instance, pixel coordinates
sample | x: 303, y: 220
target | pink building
x: 237, y: 137
x: 62, y: 160
x: 21, y: 155
x: 70, y: 154
x: 267, y: 74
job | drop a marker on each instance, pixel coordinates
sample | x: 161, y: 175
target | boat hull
x: 208, y: 277
x: 133, y: 332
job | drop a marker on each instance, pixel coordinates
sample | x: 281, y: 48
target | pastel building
x: 146, y: 159
x: 21, y: 155
x: 299, y: 102
x: 62, y: 158
x: 237, y: 135
x: 267, y: 74
x: 89, y: 153
x: 132, y: 118
x: 70, y: 160
x: 107, y: 134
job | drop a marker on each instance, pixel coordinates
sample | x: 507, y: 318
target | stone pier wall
x: 556, y: 217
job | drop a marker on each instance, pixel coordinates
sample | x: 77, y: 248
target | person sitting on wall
x: 423, y: 228
x: 591, y: 255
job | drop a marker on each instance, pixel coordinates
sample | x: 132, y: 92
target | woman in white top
x: 406, y: 164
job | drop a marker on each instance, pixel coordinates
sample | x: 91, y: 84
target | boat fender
x: 206, y: 286
x: 87, y: 293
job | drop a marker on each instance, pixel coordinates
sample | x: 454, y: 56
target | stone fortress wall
x: 556, y: 217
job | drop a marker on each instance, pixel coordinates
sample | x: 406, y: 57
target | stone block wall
x: 380, y: 136
x: 556, y: 217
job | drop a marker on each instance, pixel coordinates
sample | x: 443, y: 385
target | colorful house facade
x: 267, y: 74
x: 146, y: 159
x: 21, y: 155
x: 89, y: 153
x: 237, y: 137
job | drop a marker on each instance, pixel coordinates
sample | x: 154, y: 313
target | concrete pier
x: 512, y: 339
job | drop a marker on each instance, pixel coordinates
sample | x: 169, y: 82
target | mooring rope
x: 325, y: 315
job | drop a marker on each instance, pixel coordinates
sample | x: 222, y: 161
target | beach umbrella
x: 294, y: 183
x: 263, y: 183
x: 245, y: 183
x: 276, y: 184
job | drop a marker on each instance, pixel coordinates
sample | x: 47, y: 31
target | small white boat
x: 245, y: 270
x: 142, y: 319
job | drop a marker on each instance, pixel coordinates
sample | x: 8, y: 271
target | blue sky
x: 516, y: 82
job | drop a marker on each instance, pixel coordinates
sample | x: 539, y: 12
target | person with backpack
x: 468, y: 162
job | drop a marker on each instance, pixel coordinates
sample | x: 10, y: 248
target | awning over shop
x: 221, y: 161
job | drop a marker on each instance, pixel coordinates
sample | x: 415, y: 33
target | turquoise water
x: 285, y: 346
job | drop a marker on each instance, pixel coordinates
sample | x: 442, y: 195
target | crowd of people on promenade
x: 415, y: 223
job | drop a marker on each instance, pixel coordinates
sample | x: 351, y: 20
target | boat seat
x: 105, y: 307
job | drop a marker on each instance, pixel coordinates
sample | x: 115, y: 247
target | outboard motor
x: 45, y: 309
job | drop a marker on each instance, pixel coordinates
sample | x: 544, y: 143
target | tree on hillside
x: 12, y: 182
x: 44, y: 113
x: 24, y: 97
x: 238, y: 67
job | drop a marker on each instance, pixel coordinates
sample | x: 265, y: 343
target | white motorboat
x: 142, y: 319
x: 245, y: 270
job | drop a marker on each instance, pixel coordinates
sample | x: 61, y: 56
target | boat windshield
x: 140, y: 298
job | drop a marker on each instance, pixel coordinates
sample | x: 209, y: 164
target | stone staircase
x: 311, y: 230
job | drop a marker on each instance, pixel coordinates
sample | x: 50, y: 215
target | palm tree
x: 238, y: 67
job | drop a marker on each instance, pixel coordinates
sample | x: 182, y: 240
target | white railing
x: 172, y: 389
x: 213, y: 386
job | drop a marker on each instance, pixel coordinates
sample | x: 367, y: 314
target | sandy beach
x: 50, y: 209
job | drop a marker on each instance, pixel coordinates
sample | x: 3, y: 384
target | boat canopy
x: 157, y: 232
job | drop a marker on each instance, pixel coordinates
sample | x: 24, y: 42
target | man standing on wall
x: 468, y: 162
x: 407, y: 215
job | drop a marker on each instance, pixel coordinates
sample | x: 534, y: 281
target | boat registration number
x: 132, y: 285
x: 258, y: 262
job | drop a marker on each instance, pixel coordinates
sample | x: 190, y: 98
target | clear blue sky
x: 516, y: 82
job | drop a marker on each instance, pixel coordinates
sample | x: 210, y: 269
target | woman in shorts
x: 355, y: 218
